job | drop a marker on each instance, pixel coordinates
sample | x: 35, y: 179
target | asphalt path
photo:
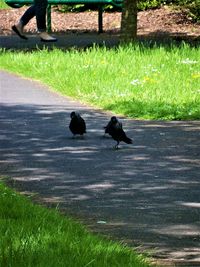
x: 146, y: 194
x: 87, y: 40
x: 65, y: 41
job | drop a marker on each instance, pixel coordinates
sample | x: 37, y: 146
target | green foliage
x: 147, y: 4
x: 178, y: 2
x: 194, y: 10
x: 193, y: 6
x: 72, y: 8
x: 3, y: 5
x: 35, y: 236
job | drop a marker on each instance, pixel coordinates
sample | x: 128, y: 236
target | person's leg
x: 40, y: 12
x: 26, y: 17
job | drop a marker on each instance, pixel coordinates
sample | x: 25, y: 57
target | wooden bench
x: 99, y: 3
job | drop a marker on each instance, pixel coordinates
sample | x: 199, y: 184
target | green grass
x: 3, y: 5
x: 161, y: 82
x: 32, y: 235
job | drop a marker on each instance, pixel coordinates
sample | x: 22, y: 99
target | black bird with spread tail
x: 77, y: 124
x: 114, y: 128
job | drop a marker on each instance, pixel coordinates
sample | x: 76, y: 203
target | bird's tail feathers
x: 128, y: 140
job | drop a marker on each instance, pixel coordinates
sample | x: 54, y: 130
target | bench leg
x: 49, y: 18
x: 100, y: 18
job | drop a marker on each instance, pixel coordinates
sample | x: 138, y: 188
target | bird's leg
x: 116, y: 146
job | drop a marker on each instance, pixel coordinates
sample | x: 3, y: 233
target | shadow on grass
x: 166, y: 38
x: 157, y: 109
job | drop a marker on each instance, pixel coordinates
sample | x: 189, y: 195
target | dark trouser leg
x: 40, y: 12
x: 28, y: 15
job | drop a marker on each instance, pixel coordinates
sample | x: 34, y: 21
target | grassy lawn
x: 3, y: 4
x: 32, y: 235
x: 161, y: 82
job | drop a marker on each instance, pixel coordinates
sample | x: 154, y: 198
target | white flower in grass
x: 136, y: 82
x: 188, y: 61
x: 150, y: 69
x: 154, y: 70
x: 122, y: 94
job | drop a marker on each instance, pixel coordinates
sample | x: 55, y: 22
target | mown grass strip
x: 3, y: 5
x: 139, y: 81
x: 32, y: 235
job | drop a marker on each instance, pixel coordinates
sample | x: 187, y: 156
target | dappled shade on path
x: 147, y: 192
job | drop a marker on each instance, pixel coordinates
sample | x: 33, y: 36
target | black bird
x: 77, y: 124
x: 108, y: 126
x: 114, y: 128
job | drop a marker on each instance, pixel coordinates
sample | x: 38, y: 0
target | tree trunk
x: 129, y: 21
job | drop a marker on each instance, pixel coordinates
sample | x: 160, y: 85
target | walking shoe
x: 18, y: 29
x: 45, y: 37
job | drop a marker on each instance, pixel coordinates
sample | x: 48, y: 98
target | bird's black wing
x: 73, y: 126
x: 119, y: 135
x: 110, y: 126
x: 82, y: 125
x: 77, y: 124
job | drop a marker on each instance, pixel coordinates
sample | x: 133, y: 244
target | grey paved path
x: 148, y: 193
x: 85, y: 40
x: 65, y: 41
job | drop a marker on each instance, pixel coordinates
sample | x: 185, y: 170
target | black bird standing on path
x: 77, y: 124
x: 114, y: 128
x: 108, y: 126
